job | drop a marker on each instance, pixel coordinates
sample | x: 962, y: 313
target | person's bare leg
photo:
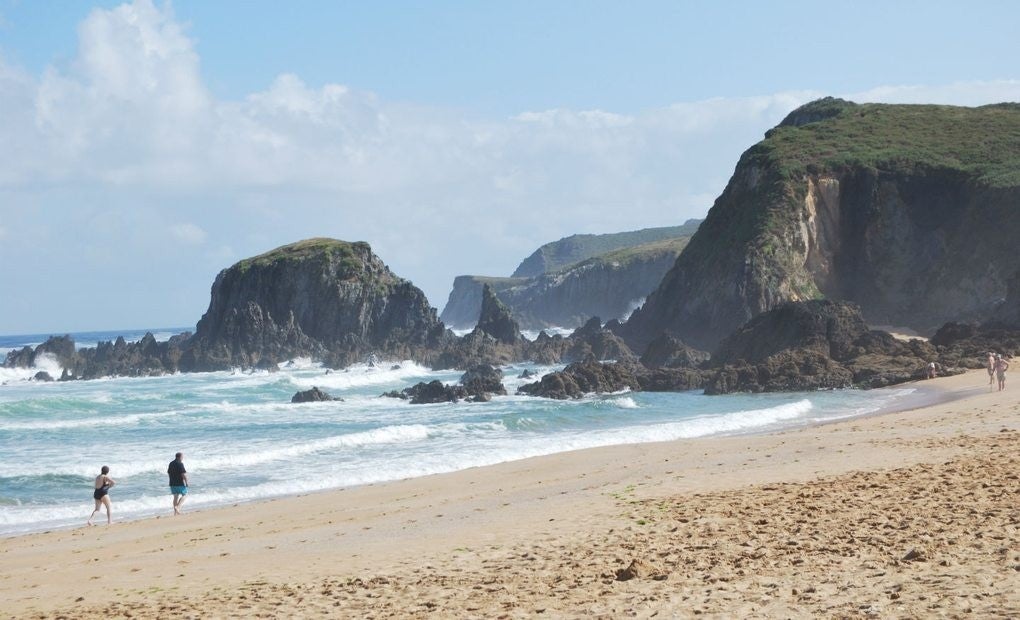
x: 180, y: 502
x: 94, y: 511
x: 106, y: 502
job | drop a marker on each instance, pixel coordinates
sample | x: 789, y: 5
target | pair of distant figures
x: 178, y: 487
x: 997, y: 367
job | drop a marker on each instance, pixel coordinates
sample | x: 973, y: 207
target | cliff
x: 608, y: 285
x: 576, y: 248
x: 330, y: 299
x: 909, y: 211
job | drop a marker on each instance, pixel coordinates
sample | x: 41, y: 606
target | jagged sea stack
x: 910, y: 211
x: 325, y: 298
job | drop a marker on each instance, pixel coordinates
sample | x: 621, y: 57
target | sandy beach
x: 906, y: 514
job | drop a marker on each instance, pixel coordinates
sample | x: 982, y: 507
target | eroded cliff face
x: 330, y: 299
x: 609, y: 286
x: 914, y: 242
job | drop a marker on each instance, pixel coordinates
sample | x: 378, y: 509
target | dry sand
x: 909, y: 514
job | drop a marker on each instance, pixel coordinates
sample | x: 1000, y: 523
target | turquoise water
x: 243, y: 440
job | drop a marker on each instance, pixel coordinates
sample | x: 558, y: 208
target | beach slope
x: 912, y: 513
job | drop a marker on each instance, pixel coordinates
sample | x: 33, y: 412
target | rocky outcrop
x: 483, y: 379
x: 330, y: 299
x: 119, y: 358
x: 314, y: 395
x: 582, y: 378
x: 801, y: 346
x: 494, y: 319
x: 669, y: 351
x: 608, y: 284
x: 905, y: 210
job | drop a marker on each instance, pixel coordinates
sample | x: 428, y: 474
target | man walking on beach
x: 178, y: 481
x: 1000, y: 371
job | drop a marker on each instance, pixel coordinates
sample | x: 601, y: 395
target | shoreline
x: 458, y: 523
x: 926, y: 394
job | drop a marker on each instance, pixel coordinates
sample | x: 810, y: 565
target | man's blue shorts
x: 179, y: 490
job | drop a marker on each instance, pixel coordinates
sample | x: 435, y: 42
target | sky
x: 145, y: 146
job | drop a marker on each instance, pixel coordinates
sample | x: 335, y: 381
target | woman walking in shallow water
x: 102, y: 493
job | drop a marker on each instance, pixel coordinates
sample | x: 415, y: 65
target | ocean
x: 244, y: 441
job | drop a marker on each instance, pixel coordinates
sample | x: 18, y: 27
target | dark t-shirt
x: 176, y: 471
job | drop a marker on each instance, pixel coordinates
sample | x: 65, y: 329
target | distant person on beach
x: 102, y: 493
x: 178, y: 481
x: 1000, y: 371
x: 932, y: 370
x: 991, y: 367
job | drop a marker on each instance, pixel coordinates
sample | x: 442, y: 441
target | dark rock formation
x: 799, y: 346
x: 669, y: 351
x: 42, y: 375
x: 906, y: 210
x: 435, y: 392
x: 314, y: 395
x: 495, y: 320
x: 483, y: 379
x: 331, y: 299
x: 582, y: 378
x: 107, y: 359
x: 610, y: 283
x: 813, y: 345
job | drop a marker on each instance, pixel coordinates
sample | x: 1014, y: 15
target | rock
x: 909, y: 242
x: 480, y: 398
x: 582, y: 378
x: 483, y: 379
x: 669, y: 351
x: 803, y: 346
x: 313, y: 395
x: 566, y: 281
x: 332, y: 300
x: 495, y: 319
x: 435, y: 392
x: 395, y: 367
x: 527, y: 374
x: 42, y: 375
x: 394, y: 394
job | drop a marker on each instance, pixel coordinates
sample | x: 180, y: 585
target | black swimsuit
x: 101, y: 492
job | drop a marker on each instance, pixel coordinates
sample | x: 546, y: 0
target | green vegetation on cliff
x: 561, y: 254
x: 645, y: 252
x: 343, y: 252
x: 982, y: 143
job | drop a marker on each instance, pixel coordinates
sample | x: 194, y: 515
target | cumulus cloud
x: 128, y: 129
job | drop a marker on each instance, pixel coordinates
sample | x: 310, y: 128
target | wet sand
x: 906, y: 514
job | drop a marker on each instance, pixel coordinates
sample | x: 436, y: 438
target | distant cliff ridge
x: 608, y: 285
x: 576, y: 248
x: 910, y: 211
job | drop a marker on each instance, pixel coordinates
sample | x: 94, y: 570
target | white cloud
x: 188, y: 233
x: 129, y: 122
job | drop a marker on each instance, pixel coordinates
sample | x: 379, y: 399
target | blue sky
x: 148, y: 145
